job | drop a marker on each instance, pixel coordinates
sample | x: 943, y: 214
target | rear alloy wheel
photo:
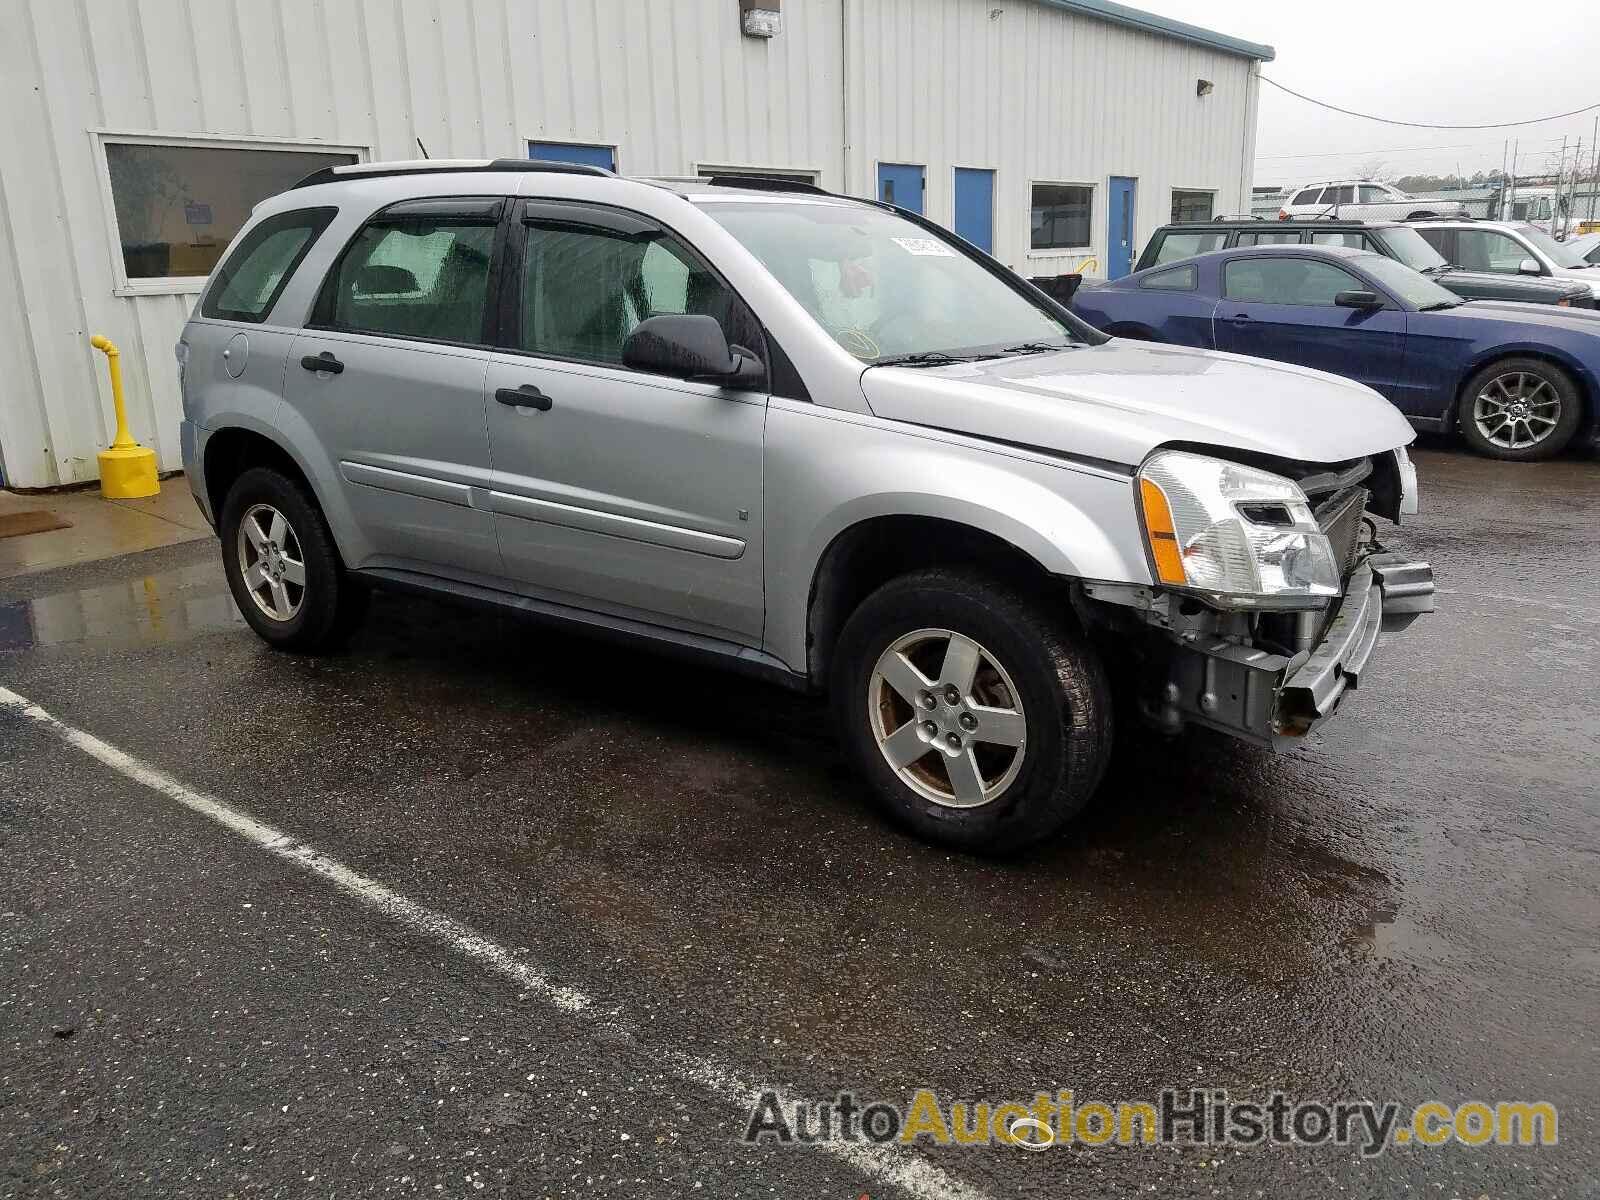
x: 282, y: 565
x: 977, y: 711
x: 1520, y: 409
x: 271, y: 563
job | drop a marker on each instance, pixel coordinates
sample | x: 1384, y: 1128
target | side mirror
x: 1358, y: 300
x: 690, y: 347
x: 1529, y: 266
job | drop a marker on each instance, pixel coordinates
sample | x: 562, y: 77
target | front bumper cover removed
x: 1272, y: 698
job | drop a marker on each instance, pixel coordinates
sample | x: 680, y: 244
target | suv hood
x: 1118, y: 401
x: 1497, y: 286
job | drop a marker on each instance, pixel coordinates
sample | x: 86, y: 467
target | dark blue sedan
x: 1520, y: 381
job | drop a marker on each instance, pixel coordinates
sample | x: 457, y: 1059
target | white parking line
x: 902, y: 1169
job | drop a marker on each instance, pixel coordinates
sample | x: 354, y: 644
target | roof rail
x: 766, y: 183
x: 434, y: 166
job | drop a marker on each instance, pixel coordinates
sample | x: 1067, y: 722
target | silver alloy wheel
x: 271, y: 562
x: 947, y: 718
x: 1516, y: 410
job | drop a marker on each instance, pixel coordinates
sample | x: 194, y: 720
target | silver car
x: 1509, y: 248
x: 810, y: 437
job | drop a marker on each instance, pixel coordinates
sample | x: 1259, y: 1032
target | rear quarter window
x: 251, y: 279
x: 1177, y: 279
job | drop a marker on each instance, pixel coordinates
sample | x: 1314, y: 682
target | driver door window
x: 1285, y: 281
x: 1488, y: 250
x: 586, y: 288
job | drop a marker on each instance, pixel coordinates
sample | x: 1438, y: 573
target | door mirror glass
x: 1357, y: 299
x: 1529, y: 266
x: 689, y: 347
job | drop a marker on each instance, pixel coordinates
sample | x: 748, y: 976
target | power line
x: 1420, y: 124
x: 1387, y: 150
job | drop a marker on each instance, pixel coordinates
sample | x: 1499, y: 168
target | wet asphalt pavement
x: 1405, y: 907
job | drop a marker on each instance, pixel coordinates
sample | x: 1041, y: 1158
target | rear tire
x: 941, y: 654
x: 1520, y: 410
x: 282, y: 565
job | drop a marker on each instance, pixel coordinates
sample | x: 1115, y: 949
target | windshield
x: 1552, y: 249
x: 1411, y: 248
x: 1413, y: 289
x: 882, y: 287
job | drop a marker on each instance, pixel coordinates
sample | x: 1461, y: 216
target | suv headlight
x: 1241, y: 537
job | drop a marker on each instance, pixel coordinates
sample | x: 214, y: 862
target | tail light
x: 1564, y: 302
x: 1283, y: 214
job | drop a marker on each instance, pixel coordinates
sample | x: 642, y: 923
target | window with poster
x: 174, y: 203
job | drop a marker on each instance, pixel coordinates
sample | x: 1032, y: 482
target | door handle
x: 526, y: 396
x: 322, y: 362
x: 1240, y: 318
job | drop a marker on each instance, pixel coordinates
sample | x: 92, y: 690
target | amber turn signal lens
x: 1158, y: 527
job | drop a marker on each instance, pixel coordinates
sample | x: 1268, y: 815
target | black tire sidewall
x: 1560, y: 437
x: 318, y: 619
x: 1068, y: 718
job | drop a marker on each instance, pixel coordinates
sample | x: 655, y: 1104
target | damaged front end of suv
x: 1271, y: 587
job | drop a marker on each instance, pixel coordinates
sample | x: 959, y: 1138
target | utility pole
x: 1594, y: 167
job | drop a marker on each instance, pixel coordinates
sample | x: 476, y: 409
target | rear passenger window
x: 1186, y: 245
x: 586, y: 288
x: 1179, y: 279
x: 250, y: 282
x: 417, y: 270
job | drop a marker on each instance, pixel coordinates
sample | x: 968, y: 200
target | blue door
x: 1119, y: 239
x: 901, y: 183
x: 975, y: 207
x: 592, y: 156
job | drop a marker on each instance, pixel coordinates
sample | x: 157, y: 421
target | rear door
x: 389, y: 375
x: 1283, y: 308
x: 629, y: 493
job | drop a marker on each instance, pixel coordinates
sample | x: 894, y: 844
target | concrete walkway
x: 98, y: 528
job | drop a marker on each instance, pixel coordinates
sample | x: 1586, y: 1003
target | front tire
x: 282, y: 566
x: 980, y: 717
x: 1520, y: 410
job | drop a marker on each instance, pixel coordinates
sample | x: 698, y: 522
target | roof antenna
x: 423, y: 148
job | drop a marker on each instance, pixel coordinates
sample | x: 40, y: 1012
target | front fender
x: 829, y: 470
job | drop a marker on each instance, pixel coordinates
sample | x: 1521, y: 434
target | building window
x: 1192, y: 206
x: 1060, y: 216
x: 574, y: 152
x: 178, y: 202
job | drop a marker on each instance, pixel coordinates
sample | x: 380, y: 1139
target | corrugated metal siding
x: 1040, y: 94
x: 1035, y: 93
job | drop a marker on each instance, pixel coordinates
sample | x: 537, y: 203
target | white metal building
x: 135, y: 135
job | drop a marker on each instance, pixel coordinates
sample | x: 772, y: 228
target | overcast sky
x: 1452, y: 62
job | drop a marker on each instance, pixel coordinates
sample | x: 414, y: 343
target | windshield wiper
x: 1033, y: 348
x: 922, y: 358
x: 1438, y: 304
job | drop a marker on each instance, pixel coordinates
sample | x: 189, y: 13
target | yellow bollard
x: 127, y: 470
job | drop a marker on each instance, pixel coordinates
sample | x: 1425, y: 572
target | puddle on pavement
x: 165, y: 607
x: 1388, y: 936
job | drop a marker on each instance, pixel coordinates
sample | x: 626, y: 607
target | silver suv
x: 810, y: 437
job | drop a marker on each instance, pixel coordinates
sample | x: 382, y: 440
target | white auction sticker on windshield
x: 931, y: 246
